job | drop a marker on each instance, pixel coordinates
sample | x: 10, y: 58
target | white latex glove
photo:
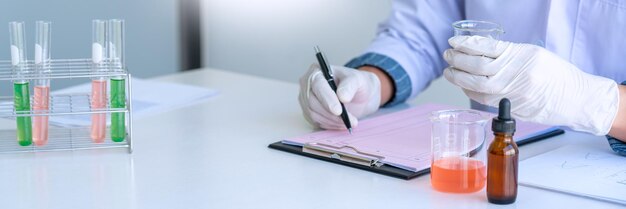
x: 542, y: 87
x: 358, y: 90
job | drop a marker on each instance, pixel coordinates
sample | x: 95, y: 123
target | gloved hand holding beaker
x: 542, y: 87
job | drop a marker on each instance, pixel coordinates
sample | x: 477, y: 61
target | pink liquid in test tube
x: 98, y: 101
x: 40, y: 123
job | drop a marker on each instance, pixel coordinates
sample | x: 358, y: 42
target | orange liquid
x: 40, y: 123
x: 458, y: 175
x: 98, y: 101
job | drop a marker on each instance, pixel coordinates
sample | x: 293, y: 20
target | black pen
x: 328, y: 74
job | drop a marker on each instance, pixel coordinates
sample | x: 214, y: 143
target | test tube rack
x: 61, y: 138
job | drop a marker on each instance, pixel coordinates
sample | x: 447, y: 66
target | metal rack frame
x: 64, y: 138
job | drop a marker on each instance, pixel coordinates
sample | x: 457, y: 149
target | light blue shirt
x: 590, y: 34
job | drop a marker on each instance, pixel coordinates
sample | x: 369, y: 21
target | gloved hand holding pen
x: 542, y: 87
x: 358, y: 90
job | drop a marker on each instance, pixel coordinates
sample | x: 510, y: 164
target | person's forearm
x: 618, y: 129
x: 386, y: 83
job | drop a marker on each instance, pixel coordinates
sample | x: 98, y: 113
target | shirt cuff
x: 618, y: 146
x: 401, y: 80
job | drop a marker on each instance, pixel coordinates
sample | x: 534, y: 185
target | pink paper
x: 402, y: 138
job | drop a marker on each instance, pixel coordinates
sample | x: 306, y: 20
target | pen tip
x: 350, y: 131
x: 317, y: 49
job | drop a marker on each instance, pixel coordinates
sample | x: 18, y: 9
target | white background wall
x: 275, y: 38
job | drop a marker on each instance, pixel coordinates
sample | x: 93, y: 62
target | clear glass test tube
x: 21, y: 92
x: 118, y: 84
x: 42, y: 86
x: 98, y: 84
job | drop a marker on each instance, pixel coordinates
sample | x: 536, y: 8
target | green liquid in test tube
x: 22, y: 103
x: 118, y: 83
x: 118, y: 100
x: 20, y: 86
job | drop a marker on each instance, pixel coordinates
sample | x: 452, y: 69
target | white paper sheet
x: 149, y: 97
x: 594, y: 172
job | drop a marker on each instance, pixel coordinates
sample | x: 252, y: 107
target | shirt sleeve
x: 410, y: 43
x: 618, y: 146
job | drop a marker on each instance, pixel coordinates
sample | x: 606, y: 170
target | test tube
x: 98, y: 84
x: 118, y: 84
x: 42, y: 86
x: 21, y: 93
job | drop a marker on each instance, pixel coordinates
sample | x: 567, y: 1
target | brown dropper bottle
x: 502, y: 158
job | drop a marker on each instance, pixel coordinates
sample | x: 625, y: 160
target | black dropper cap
x: 503, y: 123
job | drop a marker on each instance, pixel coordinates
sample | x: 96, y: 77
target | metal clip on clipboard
x: 330, y: 151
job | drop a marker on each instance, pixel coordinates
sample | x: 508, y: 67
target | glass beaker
x: 477, y: 28
x: 458, y: 151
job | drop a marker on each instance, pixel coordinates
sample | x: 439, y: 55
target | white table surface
x: 215, y: 155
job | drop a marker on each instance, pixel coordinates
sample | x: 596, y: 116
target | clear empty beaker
x: 477, y: 28
x: 458, y: 152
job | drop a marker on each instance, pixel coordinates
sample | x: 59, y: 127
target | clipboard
x: 397, y: 161
x: 383, y: 169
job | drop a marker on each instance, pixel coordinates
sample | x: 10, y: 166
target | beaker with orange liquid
x: 458, y: 152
